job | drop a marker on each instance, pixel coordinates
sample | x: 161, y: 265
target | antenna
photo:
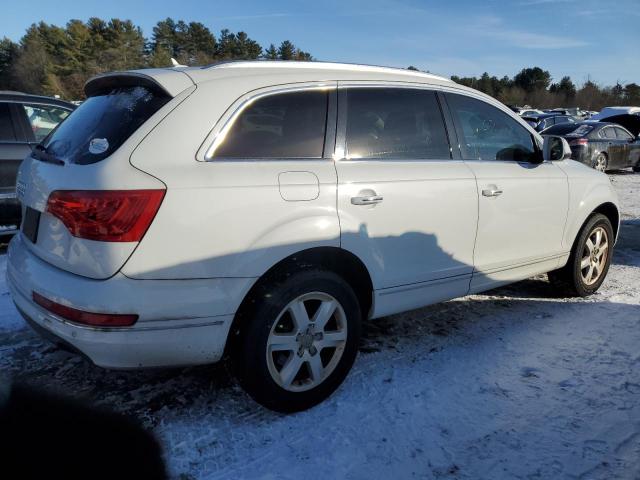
x: 175, y: 64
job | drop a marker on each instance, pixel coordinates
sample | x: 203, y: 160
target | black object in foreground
x: 45, y: 436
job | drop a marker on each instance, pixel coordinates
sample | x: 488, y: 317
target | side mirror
x: 555, y: 148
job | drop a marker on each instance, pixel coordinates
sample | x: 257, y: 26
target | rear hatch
x: 85, y: 207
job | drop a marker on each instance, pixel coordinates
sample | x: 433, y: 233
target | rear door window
x: 608, y: 132
x: 487, y: 133
x: 100, y: 125
x: 623, y: 134
x: 7, y: 129
x: 284, y: 125
x: 44, y: 118
x: 395, y: 123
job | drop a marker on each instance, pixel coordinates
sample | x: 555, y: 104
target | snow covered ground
x: 514, y: 384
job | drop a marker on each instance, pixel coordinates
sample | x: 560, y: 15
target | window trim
x: 341, y: 153
x: 452, y: 133
x: 226, y: 122
x: 336, y: 140
x: 534, y: 138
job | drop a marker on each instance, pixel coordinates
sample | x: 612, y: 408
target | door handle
x: 492, y: 191
x: 368, y: 200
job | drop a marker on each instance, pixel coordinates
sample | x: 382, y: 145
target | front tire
x: 589, y: 260
x: 298, y: 340
x: 636, y: 168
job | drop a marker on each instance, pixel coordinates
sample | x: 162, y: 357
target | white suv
x: 265, y: 209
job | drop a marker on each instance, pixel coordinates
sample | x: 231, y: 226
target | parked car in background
x: 525, y: 110
x: 611, y: 111
x: 530, y: 112
x: 25, y: 120
x: 546, y: 120
x: 558, y: 111
x: 601, y: 145
x: 305, y: 198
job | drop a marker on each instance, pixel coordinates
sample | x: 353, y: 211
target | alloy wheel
x: 601, y: 163
x: 306, y: 341
x: 594, y: 256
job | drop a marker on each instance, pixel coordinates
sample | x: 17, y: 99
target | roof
x: 176, y: 79
x: 12, y: 96
x: 235, y: 77
x: 591, y: 123
x: 538, y: 116
x: 259, y: 66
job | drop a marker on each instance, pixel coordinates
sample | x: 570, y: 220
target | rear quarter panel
x: 225, y: 218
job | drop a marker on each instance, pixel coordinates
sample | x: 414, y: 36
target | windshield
x: 100, y: 125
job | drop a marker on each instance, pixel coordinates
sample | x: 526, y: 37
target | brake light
x: 579, y: 141
x: 106, y: 215
x: 85, y: 318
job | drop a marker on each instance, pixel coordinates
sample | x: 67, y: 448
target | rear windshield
x: 569, y: 129
x: 100, y: 125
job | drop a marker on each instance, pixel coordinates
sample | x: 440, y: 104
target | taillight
x: 85, y: 318
x: 579, y: 141
x: 106, y: 215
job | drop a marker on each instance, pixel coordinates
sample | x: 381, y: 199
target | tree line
x: 53, y: 60
x: 534, y: 86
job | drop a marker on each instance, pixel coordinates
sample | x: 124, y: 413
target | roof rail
x: 314, y: 64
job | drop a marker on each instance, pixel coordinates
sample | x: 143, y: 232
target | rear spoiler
x: 164, y: 82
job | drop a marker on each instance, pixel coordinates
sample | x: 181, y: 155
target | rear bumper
x: 181, y: 322
x: 581, y: 153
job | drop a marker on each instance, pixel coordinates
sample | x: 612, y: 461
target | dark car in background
x: 601, y: 145
x: 546, y: 120
x: 25, y: 120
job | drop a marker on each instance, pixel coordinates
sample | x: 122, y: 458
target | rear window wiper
x: 40, y: 153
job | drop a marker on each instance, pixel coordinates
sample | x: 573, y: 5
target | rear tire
x: 589, y: 260
x: 636, y: 168
x: 298, y: 340
x: 601, y: 162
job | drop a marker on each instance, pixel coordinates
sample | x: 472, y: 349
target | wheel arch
x: 334, y: 259
x: 609, y: 210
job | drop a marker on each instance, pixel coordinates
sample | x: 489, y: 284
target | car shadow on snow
x: 627, y: 251
x: 153, y: 395
x: 156, y: 395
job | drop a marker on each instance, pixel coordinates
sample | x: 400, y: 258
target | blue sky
x: 580, y: 38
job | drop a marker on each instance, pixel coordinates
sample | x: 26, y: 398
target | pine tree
x: 287, y: 51
x: 58, y: 60
x: 271, y: 53
x: 8, y: 55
